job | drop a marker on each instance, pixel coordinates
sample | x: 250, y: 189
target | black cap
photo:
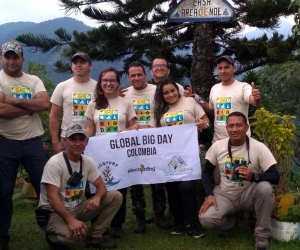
x: 227, y: 58
x: 82, y: 55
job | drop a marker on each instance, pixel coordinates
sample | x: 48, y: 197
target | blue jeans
x: 12, y: 153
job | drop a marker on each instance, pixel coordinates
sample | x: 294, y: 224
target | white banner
x: 146, y: 156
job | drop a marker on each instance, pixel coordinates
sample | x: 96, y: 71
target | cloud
x: 35, y: 11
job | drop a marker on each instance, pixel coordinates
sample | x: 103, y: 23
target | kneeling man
x: 62, y: 190
x: 248, y: 170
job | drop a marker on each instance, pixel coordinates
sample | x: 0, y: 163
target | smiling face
x: 226, y: 72
x: 137, y: 77
x: 159, y: 69
x: 170, y: 94
x: 12, y: 64
x: 81, y: 67
x: 75, y: 145
x: 109, y: 83
x: 236, y: 129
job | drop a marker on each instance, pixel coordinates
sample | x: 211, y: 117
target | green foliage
x: 293, y: 215
x: 137, y: 30
x: 278, y: 134
x: 280, y: 87
x: 295, y: 8
x: 41, y: 71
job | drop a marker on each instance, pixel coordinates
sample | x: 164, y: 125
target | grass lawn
x: 26, y: 235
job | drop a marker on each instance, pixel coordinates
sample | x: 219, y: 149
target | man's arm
x: 207, y: 182
x: 255, y: 96
x: 54, y: 127
x: 94, y: 202
x: 39, y: 103
x: 76, y: 227
x: 10, y: 111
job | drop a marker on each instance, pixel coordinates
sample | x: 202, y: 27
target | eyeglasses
x: 157, y: 66
x: 109, y: 80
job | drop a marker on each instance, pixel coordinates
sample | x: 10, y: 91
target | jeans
x: 12, y: 153
x: 182, y: 201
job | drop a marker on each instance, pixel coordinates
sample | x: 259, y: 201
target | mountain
x: 9, y: 32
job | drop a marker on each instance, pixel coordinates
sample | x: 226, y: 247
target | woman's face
x: 109, y: 82
x: 170, y: 94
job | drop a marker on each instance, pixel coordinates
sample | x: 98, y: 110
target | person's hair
x: 237, y: 113
x: 100, y: 98
x: 136, y: 64
x: 160, y: 57
x: 160, y: 105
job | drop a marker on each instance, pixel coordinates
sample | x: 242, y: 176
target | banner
x: 146, y: 156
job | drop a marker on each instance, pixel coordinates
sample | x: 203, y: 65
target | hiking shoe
x: 226, y: 233
x: 193, y: 231
x: 177, y: 229
x: 261, y: 248
x: 140, y: 226
x: 100, y: 243
x: 4, y: 246
x: 55, y: 246
x: 150, y: 219
x: 116, y: 232
x: 162, y: 222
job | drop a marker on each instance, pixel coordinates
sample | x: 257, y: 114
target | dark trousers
x: 120, y: 216
x: 138, y: 201
x: 159, y: 198
x: 182, y: 201
x: 12, y: 153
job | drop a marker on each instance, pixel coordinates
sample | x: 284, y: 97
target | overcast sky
x: 40, y: 10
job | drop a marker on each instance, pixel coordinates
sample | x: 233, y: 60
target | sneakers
x: 116, y: 232
x: 261, y: 248
x: 161, y: 221
x: 177, y: 229
x: 150, y: 219
x: 100, y: 243
x: 140, y: 226
x: 193, y: 231
x: 226, y: 233
x: 55, y: 246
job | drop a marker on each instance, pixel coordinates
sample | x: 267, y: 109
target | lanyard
x: 69, y: 165
x: 247, y: 146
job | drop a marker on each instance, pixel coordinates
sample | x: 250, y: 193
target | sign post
x: 202, y: 11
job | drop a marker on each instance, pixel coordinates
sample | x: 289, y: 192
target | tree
x: 136, y: 30
x: 41, y: 71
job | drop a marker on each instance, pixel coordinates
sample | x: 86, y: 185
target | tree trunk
x: 203, y: 58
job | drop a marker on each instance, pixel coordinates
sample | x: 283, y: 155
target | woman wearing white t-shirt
x: 108, y: 114
x: 171, y: 109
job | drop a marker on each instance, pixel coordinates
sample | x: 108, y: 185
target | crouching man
x: 247, y: 169
x: 61, y: 212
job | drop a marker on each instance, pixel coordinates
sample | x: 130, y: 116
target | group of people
x: 237, y: 175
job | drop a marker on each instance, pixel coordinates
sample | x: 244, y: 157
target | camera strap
x: 247, y: 146
x: 69, y: 165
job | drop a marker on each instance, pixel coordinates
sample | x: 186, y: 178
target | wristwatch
x: 256, y: 177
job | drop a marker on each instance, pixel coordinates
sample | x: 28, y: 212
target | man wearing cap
x: 22, y: 97
x: 62, y: 190
x: 228, y: 96
x: 71, y: 97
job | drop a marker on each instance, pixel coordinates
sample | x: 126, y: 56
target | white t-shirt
x: 56, y: 173
x: 184, y: 111
x: 74, y: 98
x: 226, y: 99
x: 142, y: 101
x: 113, y: 118
x: 260, y: 156
x: 25, y: 126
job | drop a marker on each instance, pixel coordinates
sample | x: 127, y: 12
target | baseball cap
x: 12, y: 46
x: 227, y: 58
x: 75, y: 129
x: 82, y: 55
